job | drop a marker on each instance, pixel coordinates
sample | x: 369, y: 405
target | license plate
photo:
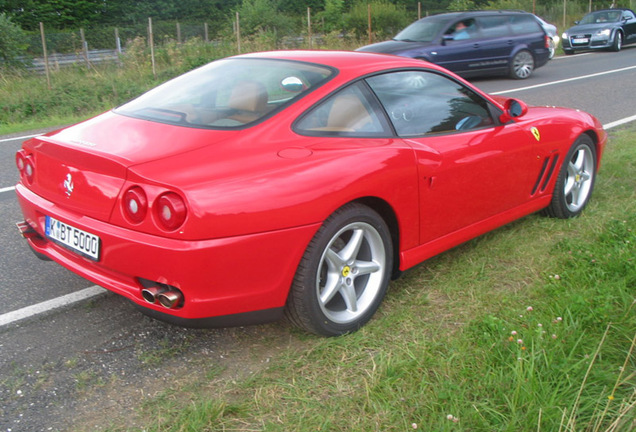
x: 580, y: 40
x: 77, y: 240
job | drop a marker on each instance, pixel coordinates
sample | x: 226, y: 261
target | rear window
x: 228, y: 93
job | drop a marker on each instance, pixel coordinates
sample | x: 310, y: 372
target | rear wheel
x: 344, y: 273
x: 575, y: 183
x: 522, y: 65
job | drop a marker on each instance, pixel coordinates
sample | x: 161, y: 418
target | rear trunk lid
x: 83, y: 168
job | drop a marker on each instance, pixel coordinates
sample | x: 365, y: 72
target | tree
x: 12, y: 41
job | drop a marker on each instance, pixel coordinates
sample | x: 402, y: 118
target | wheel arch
x: 597, y: 145
x: 387, y: 213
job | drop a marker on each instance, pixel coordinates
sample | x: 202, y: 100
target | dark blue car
x: 603, y: 29
x: 474, y: 43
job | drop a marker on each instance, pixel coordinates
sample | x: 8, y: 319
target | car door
x: 470, y: 167
x: 629, y: 26
x: 459, y: 47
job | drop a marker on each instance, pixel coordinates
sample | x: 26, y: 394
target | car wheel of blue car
x: 522, y: 65
x: 575, y: 182
x: 344, y: 273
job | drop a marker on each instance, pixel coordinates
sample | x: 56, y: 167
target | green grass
x: 528, y: 328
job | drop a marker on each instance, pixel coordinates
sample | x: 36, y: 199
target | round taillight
x: 25, y: 165
x: 135, y: 204
x: 20, y: 161
x: 170, y: 211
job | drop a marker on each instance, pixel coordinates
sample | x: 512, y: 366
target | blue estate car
x: 474, y: 43
x: 603, y: 29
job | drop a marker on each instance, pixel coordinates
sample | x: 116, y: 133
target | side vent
x: 545, y: 175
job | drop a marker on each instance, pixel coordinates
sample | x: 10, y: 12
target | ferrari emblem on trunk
x: 68, y: 185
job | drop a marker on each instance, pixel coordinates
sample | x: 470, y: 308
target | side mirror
x: 292, y: 84
x: 513, y: 108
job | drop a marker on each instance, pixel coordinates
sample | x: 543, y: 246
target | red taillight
x: 25, y: 165
x: 547, y: 41
x: 170, y: 211
x: 135, y: 204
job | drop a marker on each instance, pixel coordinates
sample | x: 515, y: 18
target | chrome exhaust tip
x: 170, y: 299
x: 26, y: 230
x: 150, y: 294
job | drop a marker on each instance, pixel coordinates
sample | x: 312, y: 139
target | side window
x: 462, y: 30
x: 524, y: 24
x: 494, y: 26
x: 421, y: 103
x: 347, y: 113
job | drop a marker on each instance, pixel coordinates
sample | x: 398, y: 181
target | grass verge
x: 528, y: 328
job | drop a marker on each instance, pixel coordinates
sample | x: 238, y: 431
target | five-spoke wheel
x: 576, y: 180
x: 344, y: 273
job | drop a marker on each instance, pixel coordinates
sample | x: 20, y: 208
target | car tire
x: 618, y: 42
x: 344, y: 273
x: 522, y: 65
x: 576, y: 180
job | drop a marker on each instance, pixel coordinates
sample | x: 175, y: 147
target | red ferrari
x: 294, y: 183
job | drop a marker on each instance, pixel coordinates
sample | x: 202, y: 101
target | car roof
x: 468, y: 14
x: 350, y: 61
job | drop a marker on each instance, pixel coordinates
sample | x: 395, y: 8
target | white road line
x: 18, y: 138
x: 620, y: 122
x: 36, y: 309
x: 582, y: 77
x: 7, y: 189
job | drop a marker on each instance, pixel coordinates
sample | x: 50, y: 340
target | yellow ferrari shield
x: 535, y: 133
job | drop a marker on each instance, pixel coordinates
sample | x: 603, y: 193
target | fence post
x: 85, y: 49
x: 152, y: 48
x: 46, y: 57
x: 117, y: 41
x: 238, y: 33
x: 205, y: 32
x: 309, y: 27
x: 369, y: 20
x: 178, y: 33
x: 419, y: 10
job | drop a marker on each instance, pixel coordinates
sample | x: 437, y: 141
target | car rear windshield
x: 227, y: 93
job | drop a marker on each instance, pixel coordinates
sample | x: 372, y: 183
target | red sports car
x: 294, y: 183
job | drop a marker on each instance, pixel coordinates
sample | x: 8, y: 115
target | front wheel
x: 344, y: 273
x: 618, y: 42
x: 522, y: 65
x: 575, y: 182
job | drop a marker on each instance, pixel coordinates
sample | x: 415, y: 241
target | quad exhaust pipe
x: 167, y: 296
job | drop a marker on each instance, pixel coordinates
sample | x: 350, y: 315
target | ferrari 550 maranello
x: 294, y: 183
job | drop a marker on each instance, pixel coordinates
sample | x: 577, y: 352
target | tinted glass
x: 350, y: 112
x: 425, y: 30
x: 524, y: 24
x: 601, y: 17
x: 421, y: 103
x: 227, y: 93
x: 494, y: 26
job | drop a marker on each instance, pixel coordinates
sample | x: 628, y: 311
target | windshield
x: 425, y: 30
x: 601, y: 17
x: 227, y: 93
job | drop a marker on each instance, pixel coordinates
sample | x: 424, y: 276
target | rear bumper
x: 227, y: 278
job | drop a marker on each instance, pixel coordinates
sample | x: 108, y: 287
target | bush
x: 386, y: 19
x: 12, y: 41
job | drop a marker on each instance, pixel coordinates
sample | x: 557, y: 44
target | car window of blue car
x: 463, y: 30
x: 524, y: 24
x: 494, y: 26
x: 421, y: 103
x: 350, y: 112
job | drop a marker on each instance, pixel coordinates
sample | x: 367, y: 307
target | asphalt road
x: 52, y: 362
